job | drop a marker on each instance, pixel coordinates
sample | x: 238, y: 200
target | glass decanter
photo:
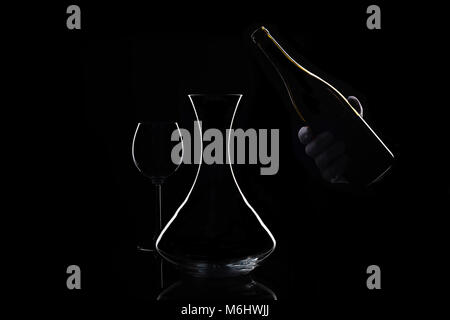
x: 215, y: 232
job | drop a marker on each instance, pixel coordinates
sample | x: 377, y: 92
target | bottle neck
x: 268, y: 45
x: 279, y: 58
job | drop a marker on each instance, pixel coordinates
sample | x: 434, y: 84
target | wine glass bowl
x: 153, y: 143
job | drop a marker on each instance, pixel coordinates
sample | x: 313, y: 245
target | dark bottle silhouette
x: 322, y: 107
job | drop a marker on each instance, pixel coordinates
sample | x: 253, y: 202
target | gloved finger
x: 330, y: 154
x: 319, y: 144
x: 356, y: 104
x: 305, y: 135
x: 336, y: 170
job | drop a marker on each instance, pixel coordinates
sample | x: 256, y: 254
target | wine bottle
x: 320, y: 106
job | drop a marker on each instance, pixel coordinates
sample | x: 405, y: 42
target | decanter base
x: 216, y: 269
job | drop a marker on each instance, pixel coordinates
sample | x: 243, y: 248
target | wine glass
x: 152, y: 151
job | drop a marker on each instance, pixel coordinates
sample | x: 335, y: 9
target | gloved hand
x: 327, y: 152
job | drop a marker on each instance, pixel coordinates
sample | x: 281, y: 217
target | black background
x: 96, y: 84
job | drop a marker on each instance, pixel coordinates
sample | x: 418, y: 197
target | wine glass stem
x: 159, y: 213
x: 158, y: 207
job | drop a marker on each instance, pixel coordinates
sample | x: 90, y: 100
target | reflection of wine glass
x: 152, y: 155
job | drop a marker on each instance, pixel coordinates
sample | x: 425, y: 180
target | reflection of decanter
x: 215, y: 232
x: 235, y: 289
